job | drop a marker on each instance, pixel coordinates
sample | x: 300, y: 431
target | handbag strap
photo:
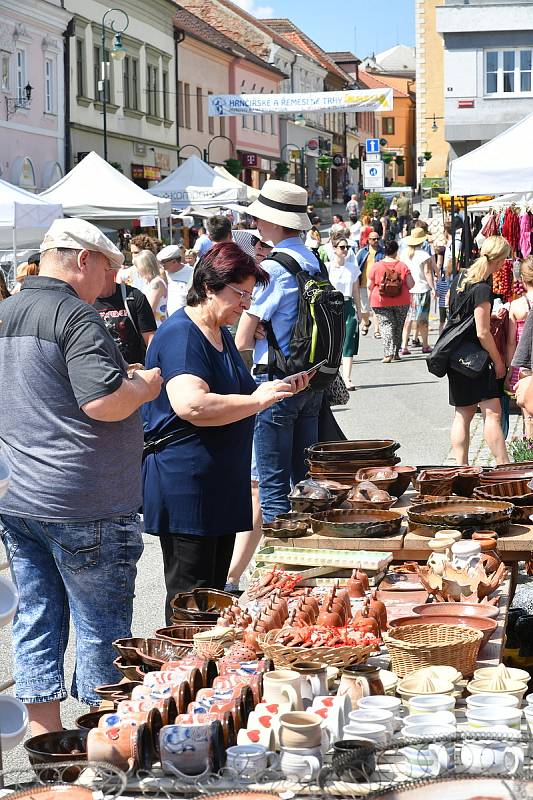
x: 125, y: 300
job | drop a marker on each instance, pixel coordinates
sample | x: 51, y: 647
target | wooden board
x: 380, y: 544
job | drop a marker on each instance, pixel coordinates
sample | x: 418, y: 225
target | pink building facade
x: 32, y: 113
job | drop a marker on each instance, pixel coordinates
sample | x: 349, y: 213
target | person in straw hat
x: 72, y: 437
x: 284, y: 431
x: 421, y: 267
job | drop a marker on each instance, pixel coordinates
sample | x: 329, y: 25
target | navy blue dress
x: 199, y: 485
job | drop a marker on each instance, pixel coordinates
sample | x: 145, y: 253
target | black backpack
x: 319, y: 329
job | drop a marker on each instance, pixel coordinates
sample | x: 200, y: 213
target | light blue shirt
x: 203, y: 244
x: 278, y: 302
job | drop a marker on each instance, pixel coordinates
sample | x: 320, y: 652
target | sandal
x: 364, y: 329
x: 377, y: 335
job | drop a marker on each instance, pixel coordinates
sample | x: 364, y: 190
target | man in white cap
x: 71, y: 434
x: 283, y: 432
x: 179, y: 276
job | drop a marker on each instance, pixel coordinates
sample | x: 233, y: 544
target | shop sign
x: 162, y: 160
x: 145, y: 172
x: 231, y: 105
x: 312, y: 144
x: 250, y: 160
x: 338, y: 160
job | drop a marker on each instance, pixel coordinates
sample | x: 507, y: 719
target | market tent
x: 505, y: 164
x: 251, y: 193
x: 195, y: 183
x: 94, y: 189
x: 24, y: 217
x: 520, y: 199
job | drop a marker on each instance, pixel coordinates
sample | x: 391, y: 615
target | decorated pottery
x: 360, y: 680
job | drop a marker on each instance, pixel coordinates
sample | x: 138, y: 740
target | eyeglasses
x: 342, y: 247
x: 373, y: 238
x: 246, y: 297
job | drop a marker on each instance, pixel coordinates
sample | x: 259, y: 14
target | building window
x: 210, y: 120
x: 131, y: 83
x: 180, y: 104
x: 400, y: 166
x: 273, y: 124
x: 49, y: 104
x: 245, y: 121
x: 222, y: 126
x: 126, y: 77
x: 508, y: 71
x: 152, y: 90
x: 21, y: 76
x: 199, y: 110
x: 388, y: 126
x: 187, y: 104
x: 80, y: 68
x: 165, y: 96
x: 99, y: 74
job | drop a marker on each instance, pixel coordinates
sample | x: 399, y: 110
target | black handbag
x: 469, y: 359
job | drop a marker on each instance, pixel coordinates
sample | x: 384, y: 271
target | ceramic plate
x: 457, y: 789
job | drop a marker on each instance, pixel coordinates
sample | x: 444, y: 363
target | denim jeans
x: 85, y: 571
x: 281, y: 435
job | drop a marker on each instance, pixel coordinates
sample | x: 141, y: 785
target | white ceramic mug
x: 249, y: 759
x: 9, y: 600
x: 383, y: 703
x: 13, y: 721
x: 257, y: 735
x: 264, y: 722
x: 332, y: 716
x: 437, y: 718
x: 426, y: 703
x: 492, y: 757
x: 426, y: 761
x: 299, y: 764
x: 492, y: 701
x: 367, y: 730
x: 283, y: 686
x: 314, y: 680
x: 494, y: 715
x: 381, y: 716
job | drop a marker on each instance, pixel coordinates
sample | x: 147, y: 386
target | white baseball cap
x: 170, y: 252
x: 77, y: 234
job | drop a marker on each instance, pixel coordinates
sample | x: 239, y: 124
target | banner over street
x: 230, y: 105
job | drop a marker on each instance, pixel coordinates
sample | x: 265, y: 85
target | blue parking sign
x: 372, y: 145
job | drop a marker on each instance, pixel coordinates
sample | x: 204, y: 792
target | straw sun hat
x: 282, y: 204
x: 416, y: 237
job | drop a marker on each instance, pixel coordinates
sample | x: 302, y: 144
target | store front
x: 144, y: 175
x: 256, y: 169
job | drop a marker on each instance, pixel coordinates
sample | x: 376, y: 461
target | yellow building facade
x: 430, y: 92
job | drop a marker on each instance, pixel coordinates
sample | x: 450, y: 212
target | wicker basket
x: 339, y: 657
x: 415, y: 646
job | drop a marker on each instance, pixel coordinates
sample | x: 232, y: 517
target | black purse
x: 469, y: 359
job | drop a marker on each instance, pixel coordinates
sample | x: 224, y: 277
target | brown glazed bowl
x: 56, y: 747
x: 401, y: 484
x: 479, y: 610
x: 466, y: 480
x: 155, y: 652
x: 131, y: 672
x: 127, y: 648
x: 87, y: 721
x: 182, y: 633
x: 485, y: 625
x: 200, y: 605
x: 116, y: 691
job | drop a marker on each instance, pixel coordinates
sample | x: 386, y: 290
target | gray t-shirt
x: 55, y: 356
x: 523, y: 356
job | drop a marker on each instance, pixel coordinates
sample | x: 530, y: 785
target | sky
x: 368, y: 26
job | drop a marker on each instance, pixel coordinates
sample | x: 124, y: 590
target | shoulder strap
x: 288, y: 262
x: 125, y: 300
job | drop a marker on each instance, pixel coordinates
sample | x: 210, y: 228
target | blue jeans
x: 83, y: 570
x: 281, y: 435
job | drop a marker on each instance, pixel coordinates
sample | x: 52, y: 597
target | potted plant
x: 234, y: 166
x: 427, y: 155
x: 281, y: 170
x: 374, y: 200
x: 521, y: 449
x: 354, y: 163
x: 386, y: 158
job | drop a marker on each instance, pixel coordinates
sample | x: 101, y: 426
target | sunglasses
x: 373, y: 239
x: 342, y: 247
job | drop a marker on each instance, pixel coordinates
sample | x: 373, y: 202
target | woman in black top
x: 471, y: 296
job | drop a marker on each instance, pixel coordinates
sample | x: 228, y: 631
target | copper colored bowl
x: 480, y: 610
x: 486, y: 626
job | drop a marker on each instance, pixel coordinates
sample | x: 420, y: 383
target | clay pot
x: 368, y: 623
x: 360, y: 680
x: 355, y: 586
x: 330, y: 619
x: 311, y: 602
x: 377, y: 609
x: 363, y: 577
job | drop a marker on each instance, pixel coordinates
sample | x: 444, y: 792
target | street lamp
x: 118, y: 52
x: 183, y: 146
x: 434, y: 126
x: 210, y: 142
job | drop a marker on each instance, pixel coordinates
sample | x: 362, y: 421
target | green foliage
x: 234, y: 166
x: 354, y: 163
x: 281, y: 169
x: 521, y: 449
x: 386, y: 158
x: 372, y: 201
x: 428, y: 155
x: 117, y: 165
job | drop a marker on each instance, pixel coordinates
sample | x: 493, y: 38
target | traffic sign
x: 372, y: 145
x: 373, y: 175
x: 373, y: 156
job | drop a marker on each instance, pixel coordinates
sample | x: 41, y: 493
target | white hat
x: 77, y: 234
x: 283, y: 204
x: 170, y: 252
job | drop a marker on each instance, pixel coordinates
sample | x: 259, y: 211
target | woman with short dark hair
x: 196, y: 472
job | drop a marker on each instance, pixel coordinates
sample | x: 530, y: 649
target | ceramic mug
x: 301, y: 764
x: 333, y: 717
x: 367, y: 730
x: 381, y: 716
x: 436, y: 718
x: 300, y: 729
x: 127, y: 747
x: 426, y: 703
x: 314, y: 680
x: 269, y: 722
x: 191, y: 750
x: 496, y: 715
x: 13, y: 722
x: 427, y: 761
x: 492, y: 701
x: 379, y: 702
x: 273, y: 709
x: 360, y: 764
x: 341, y: 702
x: 491, y: 757
x: 283, y: 686
x: 249, y: 759
x: 257, y: 735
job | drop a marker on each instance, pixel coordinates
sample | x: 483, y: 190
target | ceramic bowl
x: 517, y: 492
x: 339, y: 490
x: 129, y: 671
x: 492, y: 700
x: 430, y: 703
x: 200, y: 605
x: 127, y: 649
x: 440, y: 672
x: 370, y: 473
x: 284, y: 529
x: 431, y: 718
x: 87, y: 721
x: 486, y: 626
x: 155, y: 652
x: 466, y: 479
x: 414, y: 687
x: 117, y: 691
x: 516, y: 688
x: 57, y: 747
x: 384, y: 505
x: 460, y: 512
x: 365, y: 522
x: 495, y: 715
x: 182, y: 633
x: 405, y: 476
x: 353, y: 449
x: 483, y: 610
x: 515, y: 674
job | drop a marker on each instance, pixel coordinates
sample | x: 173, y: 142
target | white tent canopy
x: 195, y: 183
x: 502, y: 165
x: 251, y: 193
x: 520, y: 199
x: 25, y: 214
x: 94, y: 189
